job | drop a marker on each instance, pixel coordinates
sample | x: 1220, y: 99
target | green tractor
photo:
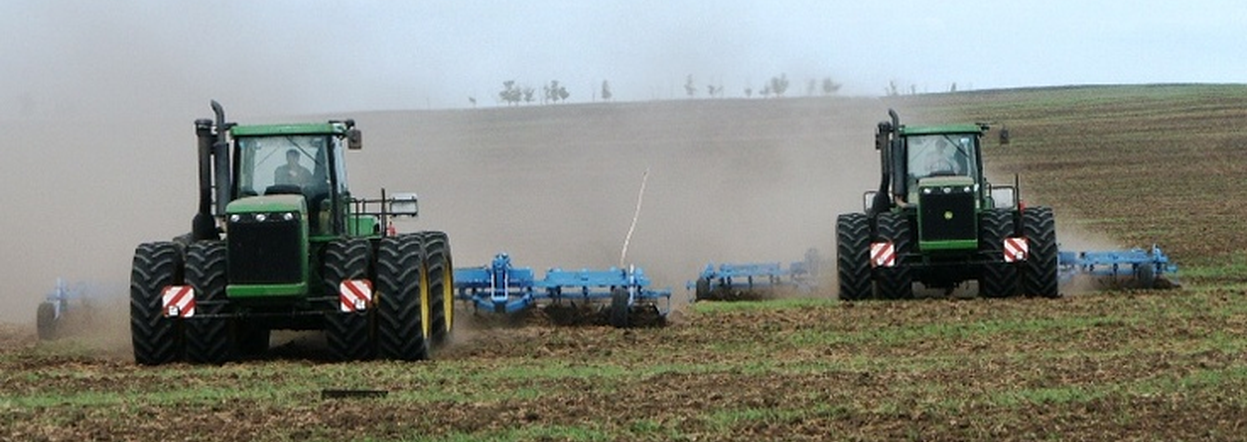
x: 936, y: 220
x: 279, y: 242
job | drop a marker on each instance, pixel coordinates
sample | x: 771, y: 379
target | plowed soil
x: 1104, y: 365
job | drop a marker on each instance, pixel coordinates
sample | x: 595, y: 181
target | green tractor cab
x: 937, y: 221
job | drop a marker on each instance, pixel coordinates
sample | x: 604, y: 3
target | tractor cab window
x: 941, y: 155
x: 291, y: 164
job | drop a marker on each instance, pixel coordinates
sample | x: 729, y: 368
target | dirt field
x: 729, y: 181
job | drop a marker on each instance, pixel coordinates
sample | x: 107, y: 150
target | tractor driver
x: 292, y: 173
x: 941, y: 161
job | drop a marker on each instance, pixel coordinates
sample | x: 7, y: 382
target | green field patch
x: 899, y: 335
x: 713, y: 307
x: 1050, y: 396
x: 1231, y: 267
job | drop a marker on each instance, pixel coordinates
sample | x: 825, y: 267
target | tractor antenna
x: 623, y: 255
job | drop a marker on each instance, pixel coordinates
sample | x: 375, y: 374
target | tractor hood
x: 943, y: 185
x: 268, y: 203
x: 946, y: 181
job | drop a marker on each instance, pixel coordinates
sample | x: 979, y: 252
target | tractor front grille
x: 266, y: 251
x: 947, y: 215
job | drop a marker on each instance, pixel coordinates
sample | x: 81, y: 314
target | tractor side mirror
x: 354, y: 139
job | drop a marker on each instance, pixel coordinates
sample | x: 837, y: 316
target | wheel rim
x: 448, y: 295
x: 426, y: 311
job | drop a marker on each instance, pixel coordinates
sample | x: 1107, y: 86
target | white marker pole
x: 636, y: 214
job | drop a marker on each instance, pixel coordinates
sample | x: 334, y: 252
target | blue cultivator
x: 51, y: 314
x: 1135, y: 267
x: 622, y: 296
x: 729, y: 282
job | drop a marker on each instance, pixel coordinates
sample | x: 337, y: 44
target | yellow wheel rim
x: 448, y: 294
x: 426, y: 313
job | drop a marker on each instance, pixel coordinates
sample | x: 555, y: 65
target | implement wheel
x: 702, y: 290
x: 156, y: 339
x: 853, y: 255
x: 45, y: 321
x: 619, y: 308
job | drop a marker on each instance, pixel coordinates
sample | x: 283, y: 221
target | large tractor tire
x: 997, y: 279
x: 619, y: 309
x: 1039, y: 273
x: 349, y: 335
x: 895, y: 282
x: 404, y: 316
x: 853, y: 255
x: 208, y: 340
x: 441, y: 285
x: 156, y: 339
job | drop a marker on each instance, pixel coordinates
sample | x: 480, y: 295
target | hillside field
x: 1123, y: 166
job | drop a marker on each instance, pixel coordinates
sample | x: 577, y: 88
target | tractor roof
x: 289, y: 129
x: 942, y: 129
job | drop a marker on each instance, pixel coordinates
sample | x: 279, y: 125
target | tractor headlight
x: 261, y: 217
x: 948, y: 190
x: 234, y: 218
x: 926, y: 191
x: 966, y: 190
x: 287, y: 216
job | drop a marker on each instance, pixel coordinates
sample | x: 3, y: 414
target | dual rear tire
x: 209, y: 340
x: 997, y: 279
x: 1040, y: 275
x: 412, y: 301
x: 857, y: 279
x: 155, y: 338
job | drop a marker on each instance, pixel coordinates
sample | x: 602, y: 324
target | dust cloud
x: 729, y: 181
x: 758, y: 180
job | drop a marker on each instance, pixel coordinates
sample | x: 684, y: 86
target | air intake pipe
x: 204, y: 226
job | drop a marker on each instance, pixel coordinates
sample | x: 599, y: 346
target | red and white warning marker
x: 355, y: 295
x: 1016, y: 249
x: 882, y: 254
x: 178, y: 301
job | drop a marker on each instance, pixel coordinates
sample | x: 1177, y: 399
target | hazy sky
x: 83, y: 59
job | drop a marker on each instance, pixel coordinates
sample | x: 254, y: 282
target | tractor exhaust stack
x: 204, y: 226
x: 213, y: 157
x: 220, y: 152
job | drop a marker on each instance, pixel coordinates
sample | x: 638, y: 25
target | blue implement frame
x: 802, y: 275
x: 501, y: 287
x: 1147, y: 266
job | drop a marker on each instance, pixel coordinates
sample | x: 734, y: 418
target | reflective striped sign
x: 178, y: 301
x: 1016, y: 249
x: 355, y: 295
x: 882, y: 254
